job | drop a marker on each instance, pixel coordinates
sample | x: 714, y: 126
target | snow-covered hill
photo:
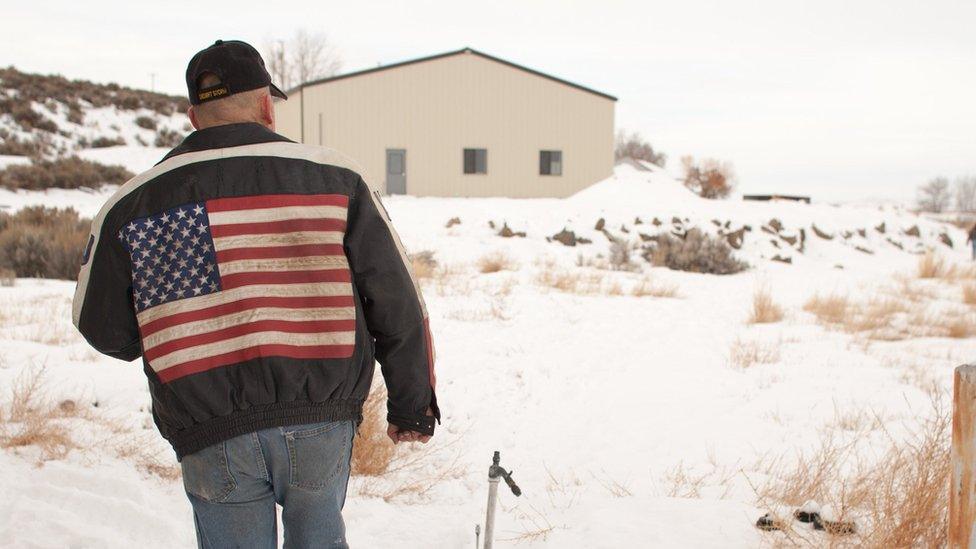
x: 51, y: 116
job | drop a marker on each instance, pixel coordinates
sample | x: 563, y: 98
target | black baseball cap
x: 238, y: 66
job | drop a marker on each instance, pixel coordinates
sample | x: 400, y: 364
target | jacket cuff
x: 421, y: 424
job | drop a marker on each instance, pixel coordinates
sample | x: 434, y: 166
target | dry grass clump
x: 33, y: 420
x: 969, y: 293
x: 891, y: 318
x: 898, y: 500
x: 764, y: 309
x: 423, y: 264
x: 744, y: 354
x: 933, y: 265
x: 646, y: 287
x: 960, y: 326
x: 372, y: 450
x: 496, y: 262
x: 829, y: 309
x: 8, y: 278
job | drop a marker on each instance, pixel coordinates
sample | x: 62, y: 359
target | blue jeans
x: 234, y: 486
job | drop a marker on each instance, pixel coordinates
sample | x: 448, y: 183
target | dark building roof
x: 449, y: 54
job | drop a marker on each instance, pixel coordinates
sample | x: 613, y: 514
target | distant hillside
x: 49, y: 116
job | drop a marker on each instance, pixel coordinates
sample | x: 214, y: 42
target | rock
x: 781, y: 259
x: 895, y: 243
x: 863, y: 233
x: 716, y: 222
x: 791, y: 240
x: 582, y: 240
x: 656, y: 222
x: 767, y: 229
x: 863, y: 250
x: 847, y: 235
x: 565, y: 237
x: 748, y: 228
x: 821, y: 234
x: 727, y: 224
x: 839, y: 266
x: 675, y: 221
x: 913, y: 231
x: 880, y: 228
x: 735, y: 238
x: 491, y: 224
x: 637, y: 221
x: 505, y: 232
x: 452, y: 222
x: 646, y: 237
x: 600, y: 224
x: 803, y: 239
x: 944, y: 238
x: 774, y: 243
x: 776, y: 224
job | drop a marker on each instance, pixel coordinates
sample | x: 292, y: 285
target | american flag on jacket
x: 222, y: 281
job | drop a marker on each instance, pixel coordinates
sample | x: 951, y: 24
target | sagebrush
x: 64, y: 173
x: 43, y: 242
x: 695, y: 252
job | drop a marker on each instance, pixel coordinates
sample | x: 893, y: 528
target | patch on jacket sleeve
x: 376, y: 194
x: 86, y: 254
x: 228, y: 280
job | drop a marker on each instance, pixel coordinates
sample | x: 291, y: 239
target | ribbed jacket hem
x: 279, y: 414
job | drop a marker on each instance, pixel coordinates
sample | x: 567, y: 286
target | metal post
x: 962, y: 495
x: 490, y: 517
x: 495, y: 473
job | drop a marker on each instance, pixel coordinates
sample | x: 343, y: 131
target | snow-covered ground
x: 600, y: 400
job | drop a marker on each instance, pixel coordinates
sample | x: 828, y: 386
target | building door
x: 396, y: 171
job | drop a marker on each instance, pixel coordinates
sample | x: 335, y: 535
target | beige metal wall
x: 435, y: 109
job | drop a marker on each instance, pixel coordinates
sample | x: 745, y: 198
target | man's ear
x: 267, y: 112
x: 193, y: 118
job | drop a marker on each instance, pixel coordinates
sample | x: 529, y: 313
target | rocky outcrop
x: 452, y: 222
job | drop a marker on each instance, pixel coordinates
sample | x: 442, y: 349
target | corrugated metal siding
x: 435, y: 109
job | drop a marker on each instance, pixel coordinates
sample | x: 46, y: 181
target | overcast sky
x: 839, y: 99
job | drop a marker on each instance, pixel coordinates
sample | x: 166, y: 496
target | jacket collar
x: 227, y: 135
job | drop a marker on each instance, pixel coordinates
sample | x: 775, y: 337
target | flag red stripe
x: 274, y: 227
x: 244, y: 304
x: 273, y: 252
x: 289, y: 351
x: 276, y: 201
x: 237, y: 280
x: 287, y: 326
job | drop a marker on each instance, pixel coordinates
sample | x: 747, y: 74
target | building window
x: 550, y: 162
x: 475, y: 160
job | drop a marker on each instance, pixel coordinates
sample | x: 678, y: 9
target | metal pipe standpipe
x: 496, y: 473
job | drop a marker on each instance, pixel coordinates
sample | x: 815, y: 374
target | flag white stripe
x: 244, y: 292
x: 252, y: 340
x: 246, y: 317
x: 281, y: 213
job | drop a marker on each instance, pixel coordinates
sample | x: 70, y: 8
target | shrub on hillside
x: 696, y: 252
x: 709, y: 178
x: 63, y: 173
x: 43, y: 242
x: 146, y: 122
x: 102, y: 142
x: 168, y: 138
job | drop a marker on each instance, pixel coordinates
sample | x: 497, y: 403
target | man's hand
x: 398, y: 435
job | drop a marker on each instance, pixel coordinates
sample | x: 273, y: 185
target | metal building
x: 461, y: 123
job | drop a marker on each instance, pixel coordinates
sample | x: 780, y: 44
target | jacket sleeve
x: 395, y: 312
x: 102, y: 309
